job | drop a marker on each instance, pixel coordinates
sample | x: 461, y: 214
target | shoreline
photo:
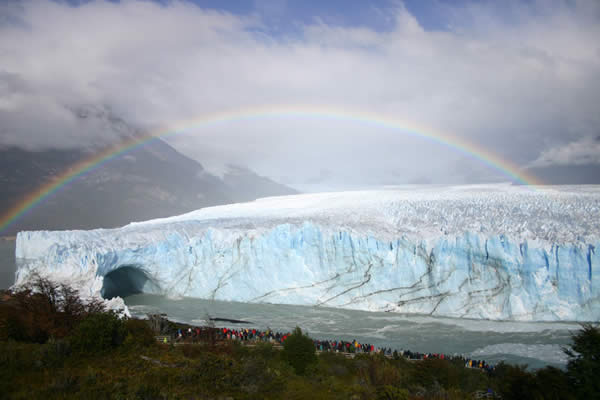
x: 171, y: 332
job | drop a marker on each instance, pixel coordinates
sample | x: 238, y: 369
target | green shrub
x: 63, y: 382
x: 553, y: 384
x: 583, y: 368
x: 53, y: 354
x: 265, y: 351
x: 257, y: 376
x: 98, y: 332
x: 433, y: 371
x: 389, y: 392
x: 192, y: 350
x: 148, y: 392
x: 138, y: 333
x: 515, y: 382
x: 299, y: 351
x: 16, y: 357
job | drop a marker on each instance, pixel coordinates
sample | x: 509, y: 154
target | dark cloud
x: 568, y: 174
x: 584, y: 151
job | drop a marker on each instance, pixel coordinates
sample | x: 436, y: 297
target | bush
x: 53, y: 354
x: 583, y: 368
x: 389, y: 392
x: 433, y: 371
x: 553, y: 384
x: 98, y: 332
x: 299, y: 351
x: 148, y: 392
x: 265, y: 351
x: 138, y: 333
x: 192, y: 351
x: 12, y: 326
x: 515, y: 382
x: 257, y: 376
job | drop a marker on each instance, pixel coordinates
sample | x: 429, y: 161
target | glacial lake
x: 536, y: 344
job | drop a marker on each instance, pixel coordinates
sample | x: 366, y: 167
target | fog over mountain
x: 152, y: 181
x: 518, y: 79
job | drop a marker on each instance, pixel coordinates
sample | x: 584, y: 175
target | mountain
x: 248, y: 186
x: 481, y: 251
x: 152, y: 181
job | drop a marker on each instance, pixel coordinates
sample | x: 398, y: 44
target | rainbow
x: 246, y: 115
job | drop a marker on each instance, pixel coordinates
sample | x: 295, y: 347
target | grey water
x: 536, y: 344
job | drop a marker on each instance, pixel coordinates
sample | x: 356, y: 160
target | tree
x: 41, y: 310
x: 583, y: 368
x: 553, y: 384
x: 98, y: 332
x: 515, y: 382
x: 299, y: 351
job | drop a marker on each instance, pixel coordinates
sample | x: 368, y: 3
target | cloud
x: 584, y: 151
x: 518, y: 81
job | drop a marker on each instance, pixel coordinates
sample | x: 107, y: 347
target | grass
x: 158, y: 371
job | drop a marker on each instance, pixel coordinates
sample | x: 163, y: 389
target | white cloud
x: 516, y: 84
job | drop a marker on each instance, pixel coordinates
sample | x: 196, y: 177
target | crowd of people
x: 248, y: 335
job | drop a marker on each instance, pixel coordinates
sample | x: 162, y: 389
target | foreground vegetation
x: 53, y: 346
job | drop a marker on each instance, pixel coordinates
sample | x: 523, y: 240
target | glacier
x: 500, y: 252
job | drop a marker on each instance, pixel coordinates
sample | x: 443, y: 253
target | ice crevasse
x: 481, y: 251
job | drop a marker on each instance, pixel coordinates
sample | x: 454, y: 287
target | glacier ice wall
x: 495, y: 252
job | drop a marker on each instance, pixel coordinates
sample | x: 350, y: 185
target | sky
x: 520, y: 79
